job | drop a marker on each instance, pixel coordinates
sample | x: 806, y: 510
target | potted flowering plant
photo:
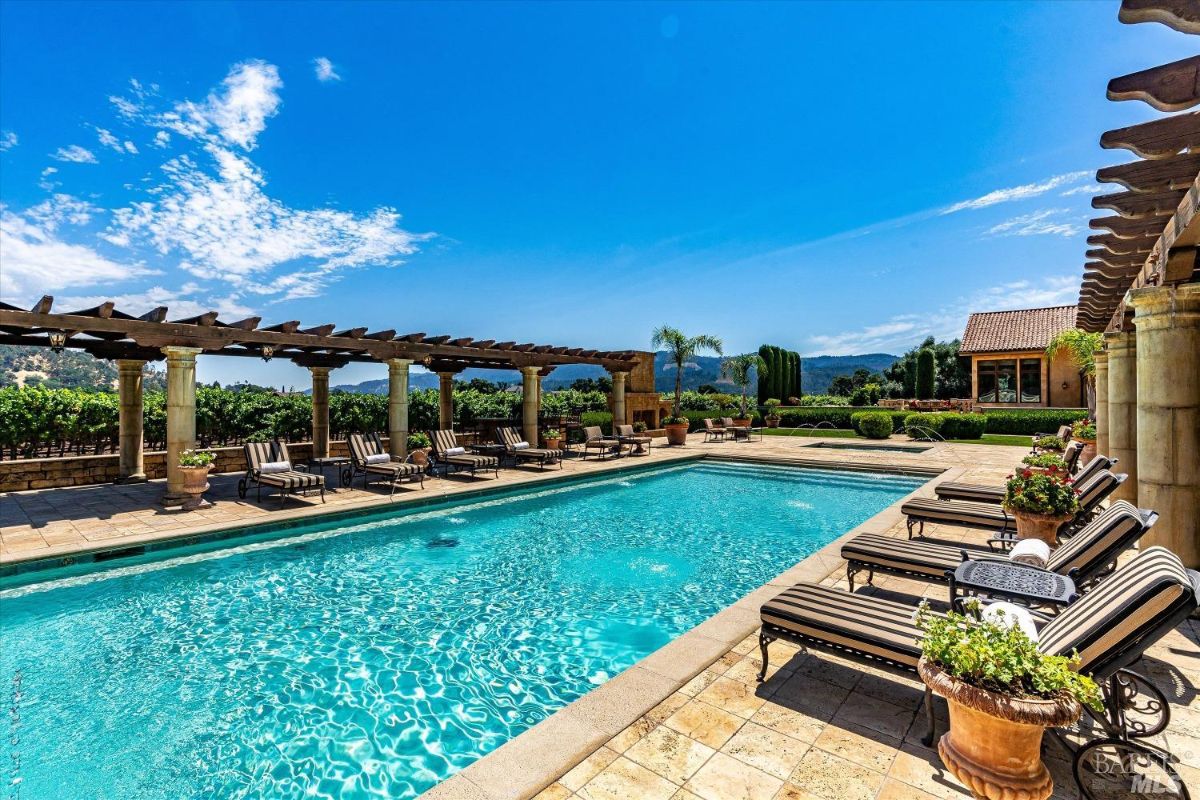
x: 1049, y: 443
x: 1041, y: 500
x: 1002, y: 693
x: 419, y: 446
x: 771, y: 415
x: 1084, y: 431
x: 195, y: 465
x: 1045, y: 462
x: 553, y: 438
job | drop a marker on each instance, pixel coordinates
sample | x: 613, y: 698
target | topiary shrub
x: 873, y: 424
x: 919, y: 426
x: 860, y: 397
x: 1031, y: 420
x: 962, y: 426
x: 926, y: 373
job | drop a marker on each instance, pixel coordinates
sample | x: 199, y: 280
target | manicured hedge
x: 601, y: 418
x: 1032, y: 420
x: 873, y: 424
x: 696, y: 418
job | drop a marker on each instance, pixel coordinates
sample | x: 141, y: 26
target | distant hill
x: 70, y: 369
x: 817, y: 374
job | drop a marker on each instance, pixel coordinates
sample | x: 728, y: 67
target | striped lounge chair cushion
x: 510, y: 438
x: 868, y: 625
x: 396, y: 468
x: 290, y: 479
x: 1120, y: 614
x: 956, y: 512
x: 902, y: 554
x: 971, y: 492
x: 1099, y: 542
x: 259, y: 453
x: 444, y: 440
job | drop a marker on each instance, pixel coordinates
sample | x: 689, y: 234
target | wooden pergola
x: 109, y: 333
x: 1141, y: 288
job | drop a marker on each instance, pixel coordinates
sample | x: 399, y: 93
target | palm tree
x: 680, y: 350
x: 737, y: 369
x: 1082, y: 347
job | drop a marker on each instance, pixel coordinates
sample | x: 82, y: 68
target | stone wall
x: 46, y: 473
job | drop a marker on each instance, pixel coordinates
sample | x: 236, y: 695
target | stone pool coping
x: 531, y: 761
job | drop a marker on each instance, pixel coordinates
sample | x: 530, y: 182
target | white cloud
x: 108, y: 140
x: 162, y: 139
x: 1037, y: 223
x: 902, y: 331
x: 48, y: 171
x: 130, y: 147
x: 238, y: 114
x: 60, y: 209
x: 1023, y: 192
x: 180, y: 303
x: 324, y: 69
x: 8, y: 140
x: 36, y: 261
x: 1085, y: 189
x: 76, y: 154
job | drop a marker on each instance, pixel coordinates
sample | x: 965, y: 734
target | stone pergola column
x: 1102, y: 443
x: 618, y: 393
x: 1122, y: 410
x: 320, y: 411
x: 446, y: 400
x: 1167, y: 320
x: 529, y: 404
x: 129, y: 392
x: 181, y: 415
x: 398, y: 406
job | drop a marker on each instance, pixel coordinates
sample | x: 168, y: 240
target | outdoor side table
x: 341, y: 466
x: 1009, y: 580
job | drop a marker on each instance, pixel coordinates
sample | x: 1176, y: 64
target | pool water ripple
x: 380, y: 660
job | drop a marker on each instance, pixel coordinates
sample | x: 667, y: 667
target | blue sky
x: 837, y: 178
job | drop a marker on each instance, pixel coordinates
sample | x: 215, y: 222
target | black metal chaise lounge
x: 920, y: 510
x: 447, y: 453
x: 367, y: 457
x: 1082, y: 558
x: 639, y: 443
x: 595, y: 441
x: 268, y: 464
x: 987, y: 493
x: 1109, y: 628
x: 512, y: 442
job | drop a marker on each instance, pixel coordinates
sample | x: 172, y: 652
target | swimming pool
x: 895, y: 448
x: 379, y: 657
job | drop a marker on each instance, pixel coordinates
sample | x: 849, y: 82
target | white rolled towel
x: 1012, y: 616
x: 1033, y: 552
x: 378, y: 458
x: 267, y: 467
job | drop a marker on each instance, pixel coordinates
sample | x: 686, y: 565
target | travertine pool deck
x: 689, y: 721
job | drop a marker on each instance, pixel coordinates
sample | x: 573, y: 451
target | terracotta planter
x: 553, y: 443
x: 1039, y: 526
x: 677, y: 433
x: 772, y: 422
x: 1089, y: 449
x: 742, y: 422
x: 420, y: 456
x: 994, y: 743
x: 195, y: 484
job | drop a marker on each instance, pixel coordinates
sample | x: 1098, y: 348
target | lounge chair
x: 714, y: 432
x: 513, y: 442
x: 1082, y: 558
x: 988, y: 493
x: 268, y: 464
x: 920, y: 510
x: 595, y: 441
x: 738, y: 432
x: 641, y: 444
x: 367, y: 457
x: 447, y: 453
x: 1109, y: 627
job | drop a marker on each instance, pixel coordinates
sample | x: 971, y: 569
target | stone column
x: 129, y: 391
x: 1167, y: 319
x: 398, y: 406
x: 529, y: 404
x: 1122, y: 410
x: 618, y: 393
x: 446, y: 400
x: 181, y: 415
x: 320, y: 411
x: 1102, y: 444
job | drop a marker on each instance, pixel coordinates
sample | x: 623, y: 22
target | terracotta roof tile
x: 1024, y: 329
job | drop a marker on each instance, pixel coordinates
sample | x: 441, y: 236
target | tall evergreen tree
x: 926, y: 373
x: 764, y: 352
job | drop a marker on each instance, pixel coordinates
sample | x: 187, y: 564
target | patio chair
x: 448, y: 454
x: 1083, y: 558
x: 268, y: 464
x: 714, y: 432
x: 512, y: 442
x: 920, y: 510
x: 641, y: 444
x: 988, y: 493
x: 739, y: 433
x: 595, y: 441
x: 1109, y: 628
x: 367, y: 457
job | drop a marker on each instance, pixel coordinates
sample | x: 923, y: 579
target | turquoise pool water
x: 377, y: 658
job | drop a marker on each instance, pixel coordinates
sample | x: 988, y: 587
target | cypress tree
x: 926, y: 372
x: 799, y: 376
x: 910, y: 377
x: 764, y: 352
x: 775, y: 376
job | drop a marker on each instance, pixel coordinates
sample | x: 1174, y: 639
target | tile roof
x: 1024, y: 329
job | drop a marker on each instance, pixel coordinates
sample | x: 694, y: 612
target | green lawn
x: 833, y: 433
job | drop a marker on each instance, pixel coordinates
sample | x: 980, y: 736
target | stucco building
x: 1009, y: 365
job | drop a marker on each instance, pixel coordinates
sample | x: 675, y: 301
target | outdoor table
x: 341, y: 466
x: 1010, y: 580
